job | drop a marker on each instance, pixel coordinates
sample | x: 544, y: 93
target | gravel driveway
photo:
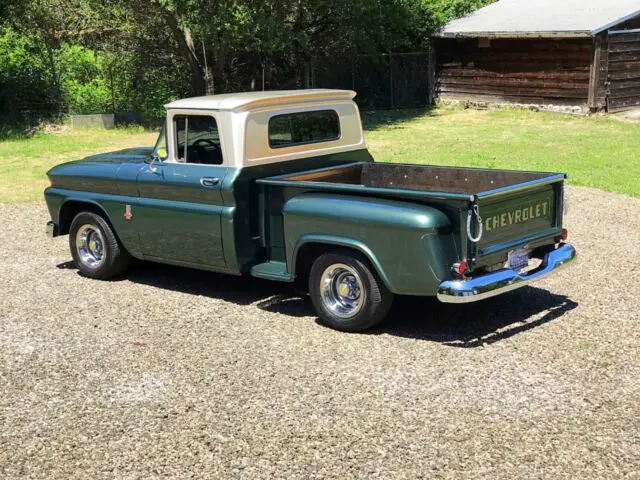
x: 175, y: 373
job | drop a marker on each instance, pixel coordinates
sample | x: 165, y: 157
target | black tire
x: 374, y: 298
x: 114, y: 258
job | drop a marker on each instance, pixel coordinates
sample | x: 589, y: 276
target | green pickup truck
x: 280, y: 185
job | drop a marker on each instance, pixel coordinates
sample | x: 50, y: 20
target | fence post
x: 113, y: 94
x: 306, y: 81
x: 312, y: 66
x: 431, y: 76
x: 391, y: 79
x: 353, y: 71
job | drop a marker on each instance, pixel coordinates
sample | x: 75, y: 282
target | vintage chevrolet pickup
x: 280, y: 185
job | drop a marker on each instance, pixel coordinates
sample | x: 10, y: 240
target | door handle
x: 209, y: 181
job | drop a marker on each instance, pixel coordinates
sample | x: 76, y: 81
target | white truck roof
x: 246, y: 100
x: 243, y: 122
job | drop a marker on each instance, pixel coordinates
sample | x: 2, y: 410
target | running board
x: 272, y: 271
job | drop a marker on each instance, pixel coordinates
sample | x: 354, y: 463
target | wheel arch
x: 310, y: 247
x: 71, y: 207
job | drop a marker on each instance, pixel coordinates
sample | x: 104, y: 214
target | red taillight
x: 460, y: 267
x: 565, y: 234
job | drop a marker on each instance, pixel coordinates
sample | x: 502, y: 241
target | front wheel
x: 95, y: 248
x: 347, y: 293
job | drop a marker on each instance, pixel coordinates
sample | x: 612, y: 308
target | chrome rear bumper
x: 501, y: 281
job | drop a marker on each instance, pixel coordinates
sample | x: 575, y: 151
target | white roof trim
x: 250, y: 100
x: 616, y: 22
x: 570, y: 34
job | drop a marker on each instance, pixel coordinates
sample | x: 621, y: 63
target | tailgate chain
x: 474, y: 210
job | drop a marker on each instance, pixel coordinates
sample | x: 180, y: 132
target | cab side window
x: 197, y: 139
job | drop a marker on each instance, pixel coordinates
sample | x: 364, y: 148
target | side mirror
x: 154, y: 158
x: 157, y: 156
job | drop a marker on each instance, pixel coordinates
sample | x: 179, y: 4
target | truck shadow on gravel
x: 464, y: 326
x: 475, y: 324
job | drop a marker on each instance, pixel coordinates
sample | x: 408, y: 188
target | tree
x: 143, y: 53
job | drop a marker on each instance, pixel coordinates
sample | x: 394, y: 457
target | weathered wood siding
x: 599, y: 73
x: 534, y: 70
x: 623, y: 71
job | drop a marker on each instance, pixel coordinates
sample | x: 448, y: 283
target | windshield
x: 161, y: 144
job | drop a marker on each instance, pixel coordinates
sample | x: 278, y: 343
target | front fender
x: 409, y: 244
x: 111, y: 206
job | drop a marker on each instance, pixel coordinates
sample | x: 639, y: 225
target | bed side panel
x: 411, y: 245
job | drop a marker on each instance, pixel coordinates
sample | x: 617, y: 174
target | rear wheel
x: 95, y: 248
x: 346, y: 292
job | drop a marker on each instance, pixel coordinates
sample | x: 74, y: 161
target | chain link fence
x: 398, y: 80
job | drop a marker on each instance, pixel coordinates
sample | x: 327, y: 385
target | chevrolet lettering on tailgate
x: 518, y: 215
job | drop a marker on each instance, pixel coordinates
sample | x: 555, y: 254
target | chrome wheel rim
x: 341, y: 290
x: 90, y: 246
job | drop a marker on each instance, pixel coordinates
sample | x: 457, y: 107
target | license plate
x: 518, y: 259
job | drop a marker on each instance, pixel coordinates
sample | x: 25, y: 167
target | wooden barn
x: 583, y: 53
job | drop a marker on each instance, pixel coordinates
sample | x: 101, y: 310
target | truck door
x: 179, y: 213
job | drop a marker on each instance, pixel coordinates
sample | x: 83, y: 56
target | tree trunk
x: 49, y: 38
x: 185, y: 43
x: 218, y: 67
x: 210, y: 83
x: 299, y: 25
x: 209, y: 78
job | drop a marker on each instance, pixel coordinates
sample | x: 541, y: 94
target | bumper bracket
x: 52, y: 229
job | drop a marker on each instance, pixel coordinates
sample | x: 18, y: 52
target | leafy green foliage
x: 443, y: 11
x: 24, y: 77
x: 83, y: 84
x: 91, y: 56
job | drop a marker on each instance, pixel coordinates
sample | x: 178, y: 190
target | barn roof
x: 542, y: 18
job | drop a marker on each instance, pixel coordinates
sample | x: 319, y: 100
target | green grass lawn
x: 598, y: 151
x: 595, y: 151
x: 24, y: 162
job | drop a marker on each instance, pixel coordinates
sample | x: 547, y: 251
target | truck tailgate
x: 525, y: 218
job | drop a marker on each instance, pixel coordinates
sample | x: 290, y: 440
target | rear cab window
x: 302, y: 128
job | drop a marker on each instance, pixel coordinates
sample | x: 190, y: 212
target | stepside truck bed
x: 492, y: 211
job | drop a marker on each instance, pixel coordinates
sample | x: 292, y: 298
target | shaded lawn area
x: 595, y: 151
x: 598, y: 151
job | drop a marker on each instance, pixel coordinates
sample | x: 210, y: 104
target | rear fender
x: 409, y: 244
